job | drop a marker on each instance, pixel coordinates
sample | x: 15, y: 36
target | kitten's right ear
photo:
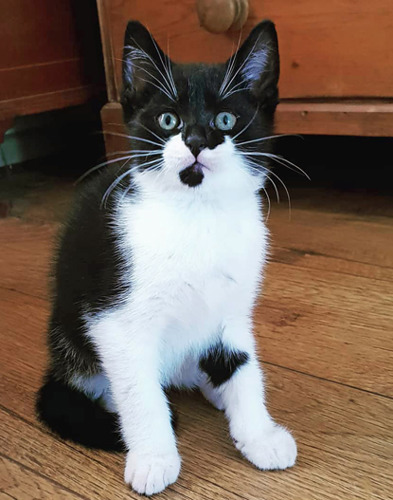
x: 145, y: 66
x: 256, y: 65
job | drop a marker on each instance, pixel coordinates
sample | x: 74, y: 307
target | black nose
x: 195, y: 142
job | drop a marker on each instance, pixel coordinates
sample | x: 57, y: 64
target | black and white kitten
x: 160, y: 265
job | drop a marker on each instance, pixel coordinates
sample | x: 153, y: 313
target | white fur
x: 197, y: 255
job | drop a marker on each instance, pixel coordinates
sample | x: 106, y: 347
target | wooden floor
x: 324, y: 328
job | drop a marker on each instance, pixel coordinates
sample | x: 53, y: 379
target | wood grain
x: 336, y: 117
x: 306, y: 117
x: 18, y: 481
x: 323, y: 330
x: 325, y: 50
x: 344, y: 439
x: 49, y: 101
x: 51, y: 56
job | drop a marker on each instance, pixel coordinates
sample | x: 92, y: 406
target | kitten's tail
x: 72, y: 415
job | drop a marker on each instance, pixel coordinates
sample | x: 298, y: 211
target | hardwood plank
x: 344, y: 437
x: 92, y: 474
x: 328, y: 324
x: 321, y: 313
x: 323, y: 323
x: 337, y: 241
x: 344, y: 434
x: 26, y: 251
x: 309, y: 259
x: 54, y: 459
x: 19, y: 482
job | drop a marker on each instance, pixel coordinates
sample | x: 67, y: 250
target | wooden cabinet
x: 336, y: 57
x: 50, y: 56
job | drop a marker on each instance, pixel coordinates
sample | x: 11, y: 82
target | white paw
x: 274, y: 449
x: 149, y: 474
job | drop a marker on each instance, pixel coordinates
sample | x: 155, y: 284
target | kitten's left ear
x: 258, y: 65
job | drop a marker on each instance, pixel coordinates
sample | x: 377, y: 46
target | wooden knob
x: 241, y: 15
x: 218, y: 16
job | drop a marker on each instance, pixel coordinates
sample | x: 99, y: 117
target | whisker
x: 130, y: 156
x: 168, y: 65
x: 116, y: 182
x: 275, y: 187
x: 233, y: 91
x: 143, y: 55
x: 279, y: 159
x: 230, y: 67
x: 241, y: 67
x: 132, y: 137
x: 129, y: 187
x: 251, y: 165
x: 142, y: 152
x: 100, y: 165
x: 164, y: 89
x: 159, y: 87
x: 268, y: 201
x: 259, y: 166
x: 152, y: 133
x: 260, y: 139
x: 246, y: 127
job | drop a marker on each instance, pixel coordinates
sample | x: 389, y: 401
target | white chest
x: 193, y: 266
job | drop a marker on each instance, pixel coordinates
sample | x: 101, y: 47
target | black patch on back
x: 221, y: 363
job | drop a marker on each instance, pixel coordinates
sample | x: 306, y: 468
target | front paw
x: 150, y: 473
x: 273, y: 449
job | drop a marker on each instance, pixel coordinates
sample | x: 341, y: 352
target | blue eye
x: 225, y: 120
x: 168, y: 121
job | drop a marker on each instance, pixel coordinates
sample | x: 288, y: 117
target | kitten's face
x: 200, y: 126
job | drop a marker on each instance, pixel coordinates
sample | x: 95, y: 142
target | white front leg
x: 263, y: 442
x: 130, y: 357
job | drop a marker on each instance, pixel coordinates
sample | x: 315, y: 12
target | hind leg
x: 96, y: 387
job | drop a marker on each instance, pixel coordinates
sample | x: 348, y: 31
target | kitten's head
x: 197, y: 126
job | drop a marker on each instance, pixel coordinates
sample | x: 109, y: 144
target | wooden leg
x: 5, y: 124
x: 112, y: 126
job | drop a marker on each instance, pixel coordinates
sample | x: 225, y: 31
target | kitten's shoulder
x: 89, y: 261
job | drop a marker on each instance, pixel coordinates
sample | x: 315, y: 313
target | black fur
x: 221, y: 363
x: 88, y: 277
x: 89, y: 267
x: 72, y: 415
x: 75, y: 417
x: 198, y: 87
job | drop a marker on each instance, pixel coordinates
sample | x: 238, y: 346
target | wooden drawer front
x: 50, y: 55
x: 329, y: 49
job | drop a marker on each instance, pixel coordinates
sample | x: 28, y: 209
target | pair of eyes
x: 223, y: 121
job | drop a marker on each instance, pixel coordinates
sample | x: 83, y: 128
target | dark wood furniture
x: 50, y: 56
x: 336, y: 58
